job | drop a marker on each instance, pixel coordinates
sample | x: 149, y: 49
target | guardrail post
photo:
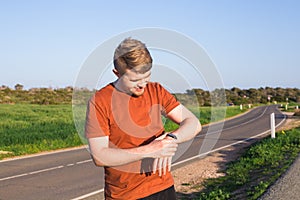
x: 272, y: 119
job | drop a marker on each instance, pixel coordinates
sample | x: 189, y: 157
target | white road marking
x: 45, y: 170
x: 89, y: 194
x: 209, y: 133
x: 44, y: 153
x: 11, y: 177
x: 84, y: 161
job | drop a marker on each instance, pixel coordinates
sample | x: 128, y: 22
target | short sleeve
x: 97, y: 123
x: 169, y: 102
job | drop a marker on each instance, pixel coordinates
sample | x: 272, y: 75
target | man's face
x: 133, y: 83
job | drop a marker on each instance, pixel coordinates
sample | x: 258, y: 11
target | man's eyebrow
x: 140, y: 78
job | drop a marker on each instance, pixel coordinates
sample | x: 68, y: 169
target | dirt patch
x: 190, y: 177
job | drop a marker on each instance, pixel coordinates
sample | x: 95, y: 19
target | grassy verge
x: 259, y: 167
x: 28, y: 128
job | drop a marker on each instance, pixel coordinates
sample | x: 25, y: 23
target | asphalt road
x: 71, y: 174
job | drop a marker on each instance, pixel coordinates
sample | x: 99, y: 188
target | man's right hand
x: 162, y: 149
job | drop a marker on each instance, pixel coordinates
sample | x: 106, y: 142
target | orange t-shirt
x: 130, y: 122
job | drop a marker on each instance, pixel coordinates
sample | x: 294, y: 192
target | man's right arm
x: 103, y: 155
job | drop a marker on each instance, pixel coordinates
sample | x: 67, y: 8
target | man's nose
x: 142, y: 83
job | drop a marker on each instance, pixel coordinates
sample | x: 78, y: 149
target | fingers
x: 160, y: 162
x: 163, y: 165
x: 155, y: 165
x: 169, y: 163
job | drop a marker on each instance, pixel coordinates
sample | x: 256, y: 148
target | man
x: 125, y: 131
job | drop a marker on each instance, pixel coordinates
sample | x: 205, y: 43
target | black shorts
x: 167, y: 194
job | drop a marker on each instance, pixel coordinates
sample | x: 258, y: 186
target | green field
x: 29, y: 128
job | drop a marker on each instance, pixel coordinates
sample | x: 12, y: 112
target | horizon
x: 70, y: 86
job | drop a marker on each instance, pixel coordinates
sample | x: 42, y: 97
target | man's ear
x: 116, y: 73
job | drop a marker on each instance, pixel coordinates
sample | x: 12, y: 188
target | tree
x: 19, y: 87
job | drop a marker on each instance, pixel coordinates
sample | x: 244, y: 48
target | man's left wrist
x: 172, y: 136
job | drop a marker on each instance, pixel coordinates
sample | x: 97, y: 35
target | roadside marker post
x: 272, y: 119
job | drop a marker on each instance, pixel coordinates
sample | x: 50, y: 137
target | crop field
x: 30, y: 128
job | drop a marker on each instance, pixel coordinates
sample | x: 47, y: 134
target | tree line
x: 42, y: 96
x: 237, y: 96
x: 197, y: 96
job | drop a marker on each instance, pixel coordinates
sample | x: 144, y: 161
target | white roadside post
x: 272, y: 117
x: 241, y: 107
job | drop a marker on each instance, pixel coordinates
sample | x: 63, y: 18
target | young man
x: 125, y: 131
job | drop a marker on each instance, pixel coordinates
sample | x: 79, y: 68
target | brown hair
x: 132, y: 54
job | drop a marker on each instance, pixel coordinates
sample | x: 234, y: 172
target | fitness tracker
x: 172, y: 136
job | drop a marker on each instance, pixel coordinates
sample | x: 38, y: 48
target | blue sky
x: 252, y: 43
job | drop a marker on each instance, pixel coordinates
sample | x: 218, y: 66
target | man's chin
x: 138, y: 93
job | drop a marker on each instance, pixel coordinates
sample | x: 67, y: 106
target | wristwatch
x: 172, y: 136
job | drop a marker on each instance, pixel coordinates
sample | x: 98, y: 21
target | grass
x: 28, y: 128
x: 291, y: 107
x: 258, y: 168
x: 208, y: 115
